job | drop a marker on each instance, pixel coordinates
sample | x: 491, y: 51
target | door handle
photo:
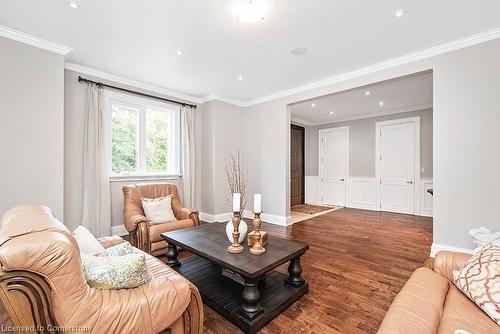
x: 409, y: 182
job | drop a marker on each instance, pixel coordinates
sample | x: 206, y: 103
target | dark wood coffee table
x: 256, y: 293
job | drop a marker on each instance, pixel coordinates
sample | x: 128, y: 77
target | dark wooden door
x: 297, y: 172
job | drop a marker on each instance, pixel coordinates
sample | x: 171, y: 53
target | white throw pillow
x: 158, y: 210
x: 87, y: 243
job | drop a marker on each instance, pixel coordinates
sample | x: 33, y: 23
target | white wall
x: 466, y: 139
x: 74, y: 111
x: 31, y: 126
x: 222, y: 134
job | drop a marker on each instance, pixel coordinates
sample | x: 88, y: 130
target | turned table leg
x: 294, y: 271
x: 250, y: 308
x: 172, y: 255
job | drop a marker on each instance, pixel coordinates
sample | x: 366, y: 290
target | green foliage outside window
x: 125, y: 123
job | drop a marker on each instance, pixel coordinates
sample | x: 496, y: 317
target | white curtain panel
x: 96, y: 211
x: 188, y: 156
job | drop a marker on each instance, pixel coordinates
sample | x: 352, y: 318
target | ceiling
x: 140, y: 39
x: 399, y: 95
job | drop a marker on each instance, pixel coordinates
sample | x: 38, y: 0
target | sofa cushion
x: 461, y: 313
x: 87, y: 243
x: 418, y: 308
x: 479, y: 279
x: 155, y: 230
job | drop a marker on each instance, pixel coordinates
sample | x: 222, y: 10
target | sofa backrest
x: 32, y: 239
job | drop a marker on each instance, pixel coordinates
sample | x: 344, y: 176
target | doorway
x: 297, y: 164
x: 334, y: 165
x: 397, y: 164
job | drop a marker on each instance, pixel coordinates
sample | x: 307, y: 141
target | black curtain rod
x: 100, y: 84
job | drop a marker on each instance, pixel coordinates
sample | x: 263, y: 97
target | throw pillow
x: 124, y: 248
x: 479, y: 279
x: 87, y: 243
x: 115, y: 272
x: 158, y: 210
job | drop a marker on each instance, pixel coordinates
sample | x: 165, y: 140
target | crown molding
x: 367, y: 115
x: 395, y: 62
x: 220, y: 98
x: 21, y: 37
x: 129, y: 82
x: 300, y: 121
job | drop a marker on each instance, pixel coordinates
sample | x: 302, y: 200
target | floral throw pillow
x: 124, y: 248
x: 479, y: 279
x: 115, y: 272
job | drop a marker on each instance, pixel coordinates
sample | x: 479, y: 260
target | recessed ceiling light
x: 313, y: 105
x: 250, y: 11
x: 398, y: 13
x: 240, y: 77
x: 179, y: 53
x: 381, y: 103
x: 73, y: 4
x: 331, y: 112
x: 298, y: 50
x: 367, y: 93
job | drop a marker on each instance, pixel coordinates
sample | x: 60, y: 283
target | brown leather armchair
x: 42, y: 285
x: 143, y: 235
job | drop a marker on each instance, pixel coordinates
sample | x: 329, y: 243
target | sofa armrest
x: 132, y: 221
x: 446, y: 262
x: 185, y: 213
x: 113, y: 240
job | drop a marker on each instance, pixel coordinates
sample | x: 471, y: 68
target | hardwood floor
x: 357, y: 262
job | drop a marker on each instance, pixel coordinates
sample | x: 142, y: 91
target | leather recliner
x: 144, y: 235
x: 42, y: 285
x: 430, y: 303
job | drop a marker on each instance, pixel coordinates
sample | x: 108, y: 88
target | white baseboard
x: 267, y: 218
x: 440, y: 247
x: 118, y: 230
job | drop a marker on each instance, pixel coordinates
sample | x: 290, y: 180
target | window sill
x: 142, y: 178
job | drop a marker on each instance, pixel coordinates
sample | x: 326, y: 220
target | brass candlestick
x: 236, y: 247
x: 257, y: 248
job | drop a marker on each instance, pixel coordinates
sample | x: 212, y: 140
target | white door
x: 397, y: 167
x: 334, y: 165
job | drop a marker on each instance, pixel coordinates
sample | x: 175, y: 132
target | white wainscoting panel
x: 362, y: 193
x: 425, y: 198
x: 313, y: 191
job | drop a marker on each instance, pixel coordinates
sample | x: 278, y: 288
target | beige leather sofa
x: 143, y: 235
x: 430, y: 303
x: 42, y: 284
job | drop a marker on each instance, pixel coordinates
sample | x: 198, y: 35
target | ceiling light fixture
x: 179, y: 53
x: 240, y: 77
x: 331, y: 112
x: 250, y: 11
x: 298, y: 50
x: 399, y: 13
x: 368, y: 93
x: 381, y: 103
x: 313, y: 105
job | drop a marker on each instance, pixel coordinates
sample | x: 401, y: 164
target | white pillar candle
x: 257, y: 203
x: 236, y: 202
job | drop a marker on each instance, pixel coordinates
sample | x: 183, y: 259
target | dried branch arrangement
x: 236, y: 179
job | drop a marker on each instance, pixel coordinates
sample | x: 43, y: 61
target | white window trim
x: 174, y: 136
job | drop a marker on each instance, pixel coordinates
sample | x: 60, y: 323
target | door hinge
x: 380, y: 181
x: 380, y: 158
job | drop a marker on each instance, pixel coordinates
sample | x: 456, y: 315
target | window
x: 144, y: 137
